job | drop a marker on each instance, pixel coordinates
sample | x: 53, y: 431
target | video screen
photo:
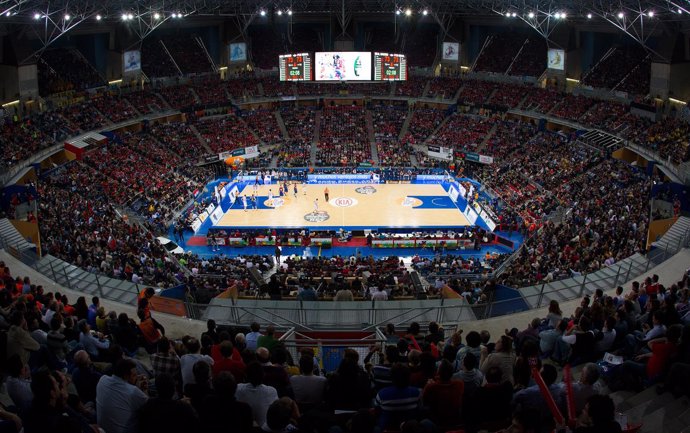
x: 237, y: 52
x: 556, y: 59
x: 343, y: 66
x: 451, y: 51
x: 132, y: 61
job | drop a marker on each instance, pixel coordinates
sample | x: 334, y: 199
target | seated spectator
x: 490, y: 406
x: 221, y: 406
x: 197, y: 391
x: 308, y: 389
x: 444, y: 398
x: 531, y: 398
x: 120, y: 397
x: 503, y: 357
x: 599, y: 414
x: 85, y: 377
x: 18, y: 383
x: 189, y: 360
x: 400, y: 401
x: 257, y: 395
x: 163, y: 413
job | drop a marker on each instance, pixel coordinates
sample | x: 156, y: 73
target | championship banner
x: 405, y: 243
x: 383, y: 243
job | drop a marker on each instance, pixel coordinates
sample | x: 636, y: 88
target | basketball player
x: 325, y: 194
x: 280, y: 191
x: 254, y: 205
x: 244, y: 202
x: 256, y: 185
x: 294, y: 190
x: 316, y: 205
x: 270, y: 198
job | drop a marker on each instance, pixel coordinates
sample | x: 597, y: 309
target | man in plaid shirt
x: 165, y: 360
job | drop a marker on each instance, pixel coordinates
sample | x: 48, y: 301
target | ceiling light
x: 37, y: 16
x: 280, y: 12
x: 262, y: 13
x: 620, y: 15
x: 589, y: 16
x: 531, y: 14
x: 289, y: 12
x: 98, y: 17
x: 514, y: 14
x: 650, y: 14
x: 397, y: 12
x: 67, y: 17
x: 408, y: 12
x: 425, y: 12
x: 130, y: 17
x: 124, y: 17
x: 156, y: 16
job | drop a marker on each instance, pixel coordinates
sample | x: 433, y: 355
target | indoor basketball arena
x: 420, y: 216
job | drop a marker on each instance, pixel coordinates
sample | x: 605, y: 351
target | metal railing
x: 360, y: 314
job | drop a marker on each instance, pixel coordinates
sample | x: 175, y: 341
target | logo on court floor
x: 317, y: 217
x: 368, y: 190
x: 411, y: 202
x: 275, y: 202
x: 343, y: 202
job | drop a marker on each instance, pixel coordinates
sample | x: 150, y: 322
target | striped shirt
x: 398, y: 405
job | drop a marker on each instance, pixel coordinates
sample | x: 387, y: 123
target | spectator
x: 308, y: 389
x: 120, y: 397
x: 221, y: 406
x: 163, y: 413
x: 257, y: 395
x: 400, y: 401
x: 503, y: 357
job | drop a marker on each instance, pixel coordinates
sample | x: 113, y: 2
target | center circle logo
x: 316, y: 217
x: 343, y: 202
x: 367, y: 190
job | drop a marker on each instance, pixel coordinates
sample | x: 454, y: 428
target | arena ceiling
x: 49, y: 20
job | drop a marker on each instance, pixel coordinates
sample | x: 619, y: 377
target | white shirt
x: 379, y: 295
x: 117, y: 405
x: 259, y: 398
x: 187, y: 364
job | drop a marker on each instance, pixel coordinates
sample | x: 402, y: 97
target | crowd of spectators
x: 83, y: 116
x: 211, y: 91
x: 145, y: 101
x: 413, y: 87
x: 572, y: 107
x: 273, y: 87
x: 531, y: 60
x: 343, y: 138
x: 497, y: 55
x: 637, y: 81
x: 178, y: 137
x: 388, y: 121
x: 462, y: 132
x: 228, y: 132
x: 114, y: 107
x: 264, y: 123
x: 423, y: 123
x: 612, y: 69
x: 155, y: 60
x: 188, y: 53
x: 22, y: 139
x: 444, y: 87
x: 507, y: 96
x: 178, y: 97
x: 542, y: 100
x: 476, y: 92
x: 75, y: 367
x: 299, y: 123
x: 64, y: 69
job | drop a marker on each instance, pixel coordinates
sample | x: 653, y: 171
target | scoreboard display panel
x: 295, y: 67
x: 390, y: 67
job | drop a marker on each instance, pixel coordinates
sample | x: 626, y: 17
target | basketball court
x: 351, y: 206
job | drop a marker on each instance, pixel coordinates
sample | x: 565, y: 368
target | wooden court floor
x: 349, y: 206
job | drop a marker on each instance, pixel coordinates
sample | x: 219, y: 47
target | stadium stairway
x: 281, y: 125
x: 75, y: 278
x: 406, y: 124
x: 426, y: 89
x: 200, y: 139
x: 10, y: 237
x: 676, y: 235
x: 657, y: 413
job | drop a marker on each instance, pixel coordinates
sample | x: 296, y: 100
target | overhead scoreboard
x: 390, y: 67
x: 295, y: 67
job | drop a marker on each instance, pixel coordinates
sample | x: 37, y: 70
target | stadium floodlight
x: 680, y: 11
x: 67, y: 17
x: 130, y: 16
x: 531, y: 14
x: 408, y: 12
x: 37, y: 16
x: 557, y: 15
x: 397, y: 12
x: 99, y: 17
x: 564, y: 15
x: 620, y: 15
x: 650, y: 14
x: 425, y: 12
x: 289, y: 12
x: 589, y: 16
x: 262, y: 13
x: 279, y: 12
x: 156, y: 16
